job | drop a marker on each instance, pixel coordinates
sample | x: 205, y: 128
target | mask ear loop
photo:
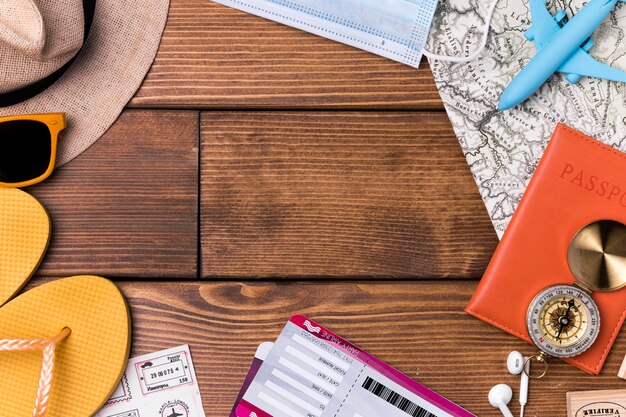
x: 474, y: 54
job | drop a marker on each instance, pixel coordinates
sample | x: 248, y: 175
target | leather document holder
x: 578, y: 181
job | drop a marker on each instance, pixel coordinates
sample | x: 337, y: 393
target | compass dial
x: 563, y: 321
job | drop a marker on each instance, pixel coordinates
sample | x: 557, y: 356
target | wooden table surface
x: 262, y: 172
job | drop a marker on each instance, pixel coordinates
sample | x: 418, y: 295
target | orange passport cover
x: 578, y: 181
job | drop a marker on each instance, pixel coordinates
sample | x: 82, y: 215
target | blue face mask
x: 396, y: 29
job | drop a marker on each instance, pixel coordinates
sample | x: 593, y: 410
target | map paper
x: 504, y: 148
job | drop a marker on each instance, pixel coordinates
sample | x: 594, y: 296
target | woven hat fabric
x: 122, y: 43
x: 36, y: 39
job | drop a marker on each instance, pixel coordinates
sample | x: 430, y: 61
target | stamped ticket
x: 160, y: 384
x: 312, y: 372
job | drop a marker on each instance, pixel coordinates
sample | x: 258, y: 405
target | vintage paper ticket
x: 160, y: 384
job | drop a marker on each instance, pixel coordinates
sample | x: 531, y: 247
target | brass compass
x: 563, y: 320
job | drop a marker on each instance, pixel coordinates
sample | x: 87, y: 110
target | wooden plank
x: 128, y: 205
x: 338, y: 195
x: 418, y: 327
x: 212, y: 56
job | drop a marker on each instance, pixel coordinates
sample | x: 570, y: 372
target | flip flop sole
x: 89, y: 362
x: 24, y: 237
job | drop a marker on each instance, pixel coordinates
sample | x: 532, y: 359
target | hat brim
x: 122, y: 44
x: 24, y: 93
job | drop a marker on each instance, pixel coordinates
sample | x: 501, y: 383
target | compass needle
x: 560, y: 313
x: 563, y: 320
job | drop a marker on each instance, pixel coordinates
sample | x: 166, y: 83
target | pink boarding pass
x: 312, y: 372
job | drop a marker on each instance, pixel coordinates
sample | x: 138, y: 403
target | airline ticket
x: 160, y: 384
x: 312, y: 372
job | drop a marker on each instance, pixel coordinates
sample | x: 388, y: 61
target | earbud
x: 515, y: 363
x: 500, y: 397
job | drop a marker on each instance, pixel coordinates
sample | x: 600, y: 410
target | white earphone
x: 500, y: 397
x: 515, y: 363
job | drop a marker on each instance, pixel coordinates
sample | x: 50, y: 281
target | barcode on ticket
x: 395, y: 399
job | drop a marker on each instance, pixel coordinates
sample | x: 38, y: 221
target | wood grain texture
x: 128, y: 205
x: 338, y: 195
x: 212, y: 56
x: 419, y: 328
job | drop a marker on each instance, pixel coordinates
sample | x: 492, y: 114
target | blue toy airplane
x: 562, y: 46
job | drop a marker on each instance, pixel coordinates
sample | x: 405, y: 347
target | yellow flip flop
x: 24, y: 237
x: 64, y: 348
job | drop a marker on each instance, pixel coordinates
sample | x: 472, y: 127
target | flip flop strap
x: 48, y: 348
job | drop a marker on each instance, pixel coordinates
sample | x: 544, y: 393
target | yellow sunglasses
x: 28, y: 147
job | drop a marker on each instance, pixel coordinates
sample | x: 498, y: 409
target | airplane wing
x: 544, y: 27
x: 582, y: 63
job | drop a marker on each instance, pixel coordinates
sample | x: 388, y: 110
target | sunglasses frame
x: 55, y: 123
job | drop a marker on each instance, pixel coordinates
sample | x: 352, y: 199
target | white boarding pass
x: 312, y: 372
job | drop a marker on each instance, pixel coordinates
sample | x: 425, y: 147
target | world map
x: 504, y: 148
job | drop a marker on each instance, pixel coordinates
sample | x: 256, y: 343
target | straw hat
x: 86, y: 58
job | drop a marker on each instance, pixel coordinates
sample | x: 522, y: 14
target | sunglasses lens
x: 25, y: 150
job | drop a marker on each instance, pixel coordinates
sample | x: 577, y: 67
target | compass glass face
x: 563, y: 321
